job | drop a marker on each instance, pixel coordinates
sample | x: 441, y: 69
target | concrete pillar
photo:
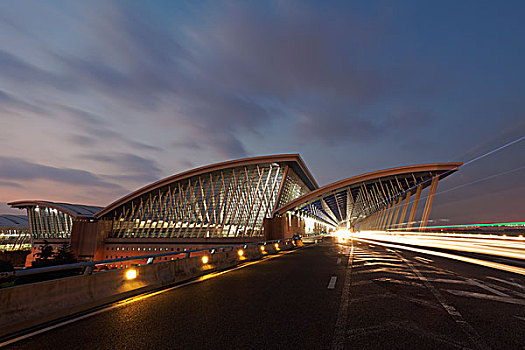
x: 404, y: 211
x: 414, y: 207
x: 398, y: 206
x: 428, y: 204
x: 390, y: 212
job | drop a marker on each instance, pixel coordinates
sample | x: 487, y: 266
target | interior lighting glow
x: 205, y: 259
x: 342, y: 235
x: 131, y: 274
x: 240, y: 252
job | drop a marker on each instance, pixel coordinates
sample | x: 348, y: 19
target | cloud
x: 19, y: 71
x: 96, y: 128
x: 10, y: 104
x: 10, y: 184
x: 134, y: 168
x: 22, y: 170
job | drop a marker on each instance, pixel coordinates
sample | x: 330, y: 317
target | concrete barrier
x: 29, y: 305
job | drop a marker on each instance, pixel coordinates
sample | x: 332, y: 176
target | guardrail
x: 33, y: 304
x: 88, y: 266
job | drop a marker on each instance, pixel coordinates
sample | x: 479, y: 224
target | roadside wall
x: 29, y: 305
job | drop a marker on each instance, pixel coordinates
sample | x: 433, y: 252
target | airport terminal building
x: 243, y: 200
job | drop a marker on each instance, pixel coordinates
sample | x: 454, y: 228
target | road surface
x: 351, y: 295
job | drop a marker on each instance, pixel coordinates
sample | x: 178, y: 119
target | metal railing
x: 88, y: 266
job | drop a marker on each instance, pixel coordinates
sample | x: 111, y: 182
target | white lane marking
x: 423, y: 259
x: 331, y: 284
x: 338, y: 261
x: 445, y: 280
x: 339, y: 339
x: 507, y: 282
x: 393, y: 280
x: 464, y: 293
x: 474, y: 337
x: 487, y: 288
x: 139, y: 297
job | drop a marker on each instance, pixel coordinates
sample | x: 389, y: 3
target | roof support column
x: 404, y: 211
x: 389, y: 215
x: 398, y: 207
x: 428, y: 204
x: 383, y: 217
x: 379, y: 219
x: 414, y: 207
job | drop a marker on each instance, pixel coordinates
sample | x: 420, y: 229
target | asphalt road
x: 329, y: 296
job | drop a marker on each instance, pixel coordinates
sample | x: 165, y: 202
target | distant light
x: 240, y: 252
x: 276, y: 245
x: 131, y: 274
x: 205, y: 259
x: 262, y: 248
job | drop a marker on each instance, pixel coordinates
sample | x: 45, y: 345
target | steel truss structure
x: 373, y: 200
x: 229, y: 199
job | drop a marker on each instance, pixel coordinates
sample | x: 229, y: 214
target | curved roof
x: 14, y: 221
x: 293, y: 160
x: 77, y: 211
x: 443, y: 169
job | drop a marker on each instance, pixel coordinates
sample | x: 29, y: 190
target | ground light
x: 131, y: 274
x: 205, y: 259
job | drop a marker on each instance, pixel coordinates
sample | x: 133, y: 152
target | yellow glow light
x: 131, y: 274
x: 276, y: 245
x: 205, y: 259
x: 262, y: 248
x: 342, y: 235
x: 240, y: 252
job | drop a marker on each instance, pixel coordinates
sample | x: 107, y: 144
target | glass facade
x: 229, y: 202
x: 293, y: 187
x: 48, y: 223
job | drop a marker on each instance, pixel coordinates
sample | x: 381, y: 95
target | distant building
x: 243, y: 200
x: 14, y: 233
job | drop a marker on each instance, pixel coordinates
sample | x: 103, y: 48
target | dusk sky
x: 99, y: 98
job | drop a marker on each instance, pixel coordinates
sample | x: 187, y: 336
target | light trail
x: 494, y: 150
x: 498, y: 246
x: 486, y: 263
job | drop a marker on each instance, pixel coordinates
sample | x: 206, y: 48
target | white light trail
x: 506, y: 247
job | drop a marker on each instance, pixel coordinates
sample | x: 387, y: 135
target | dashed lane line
x: 331, y: 284
x: 339, y: 339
